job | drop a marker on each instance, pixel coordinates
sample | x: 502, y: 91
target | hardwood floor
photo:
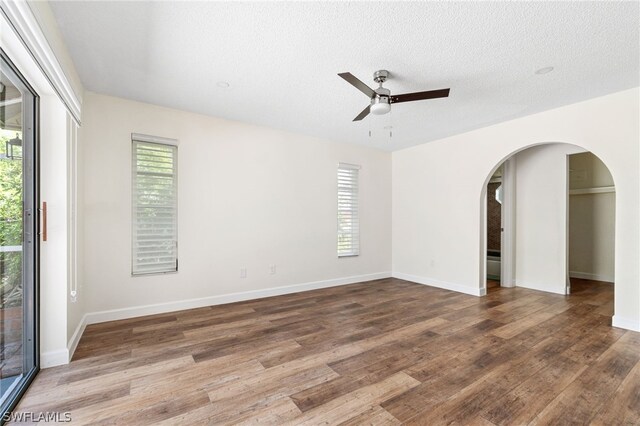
x: 381, y: 352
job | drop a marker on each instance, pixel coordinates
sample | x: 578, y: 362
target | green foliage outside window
x: 11, y: 233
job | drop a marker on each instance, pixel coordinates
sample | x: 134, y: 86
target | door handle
x: 43, y: 214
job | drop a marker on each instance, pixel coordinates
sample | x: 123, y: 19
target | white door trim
x: 508, y: 235
x: 567, y: 289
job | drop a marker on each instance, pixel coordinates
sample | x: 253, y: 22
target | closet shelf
x: 595, y: 190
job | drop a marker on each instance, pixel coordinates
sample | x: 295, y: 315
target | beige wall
x: 248, y: 196
x: 591, y: 219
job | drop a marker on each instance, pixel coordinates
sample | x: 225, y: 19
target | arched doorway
x: 539, y: 192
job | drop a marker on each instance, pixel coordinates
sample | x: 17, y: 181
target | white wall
x: 437, y: 193
x: 591, y: 220
x: 248, y: 197
x: 540, y: 217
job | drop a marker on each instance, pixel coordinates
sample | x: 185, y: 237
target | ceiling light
x: 545, y: 70
x: 380, y: 105
x: 222, y: 84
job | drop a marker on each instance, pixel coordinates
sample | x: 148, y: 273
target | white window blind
x: 155, y: 225
x: 348, y: 219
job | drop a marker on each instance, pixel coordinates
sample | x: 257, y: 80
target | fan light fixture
x: 380, y: 106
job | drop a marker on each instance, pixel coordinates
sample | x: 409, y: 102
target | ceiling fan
x: 381, y: 98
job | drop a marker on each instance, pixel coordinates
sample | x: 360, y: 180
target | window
x: 348, y: 219
x: 155, y: 225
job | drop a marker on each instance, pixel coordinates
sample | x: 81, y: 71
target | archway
x: 549, y: 225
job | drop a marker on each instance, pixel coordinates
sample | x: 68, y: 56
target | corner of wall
x: 626, y: 323
x: 75, y: 338
x: 54, y: 358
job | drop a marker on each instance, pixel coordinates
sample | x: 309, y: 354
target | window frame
x: 355, y: 235
x: 32, y: 230
x: 165, y: 142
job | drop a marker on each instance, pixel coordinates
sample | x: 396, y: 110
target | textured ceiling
x: 281, y: 60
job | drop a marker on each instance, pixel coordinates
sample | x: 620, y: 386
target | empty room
x: 323, y: 212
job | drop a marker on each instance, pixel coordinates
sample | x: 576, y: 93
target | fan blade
x: 418, y: 96
x: 351, y: 79
x: 363, y: 114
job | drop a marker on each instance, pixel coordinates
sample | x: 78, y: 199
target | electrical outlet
x: 243, y: 272
x: 272, y: 269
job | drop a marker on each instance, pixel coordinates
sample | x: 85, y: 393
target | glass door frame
x: 31, y: 236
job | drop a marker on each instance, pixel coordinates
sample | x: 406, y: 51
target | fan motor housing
x: 381, y: 91
x: 382, y: 96
x: 381, y: 99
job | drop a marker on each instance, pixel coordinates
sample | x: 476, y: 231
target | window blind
x: 155, y: 225
x: 348, y: 214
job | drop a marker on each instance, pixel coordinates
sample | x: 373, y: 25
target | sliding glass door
x: 18, y: 234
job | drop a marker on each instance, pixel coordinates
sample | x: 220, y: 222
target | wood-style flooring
x: 380, y: 352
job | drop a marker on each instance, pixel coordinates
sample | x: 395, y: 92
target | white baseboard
x: 75, y: 339
x: 54, y: 358
x: 561, y: 288
x: 627, y: 324
x: 440, y: 284
x: 160, y: 308
x: 590, y: 276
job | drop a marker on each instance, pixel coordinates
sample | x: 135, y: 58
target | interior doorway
x: 499, y: 242
x: 495, y: 198
x: 591, y: 223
